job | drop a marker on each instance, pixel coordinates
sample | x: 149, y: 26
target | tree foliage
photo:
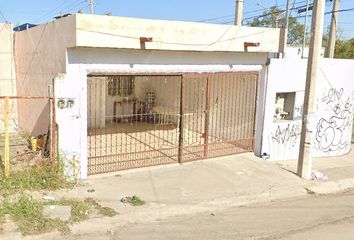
x: 344, y: 49
x: 296, y: 29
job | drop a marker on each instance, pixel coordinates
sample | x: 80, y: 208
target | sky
x: 213, y: 11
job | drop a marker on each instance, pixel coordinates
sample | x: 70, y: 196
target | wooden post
x: 7, y: 139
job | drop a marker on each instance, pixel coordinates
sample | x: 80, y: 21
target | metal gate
x: 145, y: 120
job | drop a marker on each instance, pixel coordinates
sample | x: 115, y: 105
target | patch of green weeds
x: 134, y: 200
x: 27, y: 215
x: 80, y: 210
x: 105, y: 211
x: 38, y: 177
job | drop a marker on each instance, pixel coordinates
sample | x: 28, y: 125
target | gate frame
x: 183, y: 76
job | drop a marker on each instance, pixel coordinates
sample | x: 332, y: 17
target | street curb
x: 332, y: 187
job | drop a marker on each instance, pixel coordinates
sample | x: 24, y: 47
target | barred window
x: 120, y: 85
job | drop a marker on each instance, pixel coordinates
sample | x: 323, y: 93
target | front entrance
x: 145, y: 120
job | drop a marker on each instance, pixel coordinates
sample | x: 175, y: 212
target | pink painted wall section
x: 40, y: 54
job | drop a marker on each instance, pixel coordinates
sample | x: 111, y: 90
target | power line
x: 330, y: 12
x: 2, y: 15
x: 51, y: 11
x: 245, y: 13
x: 58, y: 9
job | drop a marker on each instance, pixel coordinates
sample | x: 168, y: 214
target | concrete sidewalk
x: 335, y: 168
x: 203, y: 186
x: 340, y: 172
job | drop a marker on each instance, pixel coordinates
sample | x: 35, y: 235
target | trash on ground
x: 317, y: 175
x: 48, y: 198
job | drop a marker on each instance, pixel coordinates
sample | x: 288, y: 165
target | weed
x: 105, y: 211
x: 27, y: 215
x: 79, y: 210
x: 38, y: 177
x: 134, y: 200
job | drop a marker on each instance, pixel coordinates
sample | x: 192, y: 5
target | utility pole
x: 285, y: 37
x: 238, y: 12
x: 304, y: 167
x: 305, y: 29
x: 91, y: 4
x: 333, y: 30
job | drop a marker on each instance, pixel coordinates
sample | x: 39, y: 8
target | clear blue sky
x: 39, y: 11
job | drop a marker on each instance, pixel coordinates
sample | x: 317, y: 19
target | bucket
x: 37, y: 143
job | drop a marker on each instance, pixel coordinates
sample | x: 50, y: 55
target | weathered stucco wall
x: 123, y: 32
x: 332, y: 126
x: 40, y: 54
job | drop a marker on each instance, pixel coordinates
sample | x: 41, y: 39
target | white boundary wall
x: 334, y: 102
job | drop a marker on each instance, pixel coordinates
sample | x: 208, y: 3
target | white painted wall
x: 122, y: 32
x: 333, y: 124
x: 73, y: 123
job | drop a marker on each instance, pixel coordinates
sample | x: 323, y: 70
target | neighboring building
x: 23, y: 27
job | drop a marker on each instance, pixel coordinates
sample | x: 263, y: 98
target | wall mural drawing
x: 333, y: 133
x: 287, y: 136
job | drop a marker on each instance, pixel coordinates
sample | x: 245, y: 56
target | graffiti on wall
x: 333, y: 133
x: 288, y: 136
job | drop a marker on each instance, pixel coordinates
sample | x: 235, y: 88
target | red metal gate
x: 222, y: 118
x: 146, y: 120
